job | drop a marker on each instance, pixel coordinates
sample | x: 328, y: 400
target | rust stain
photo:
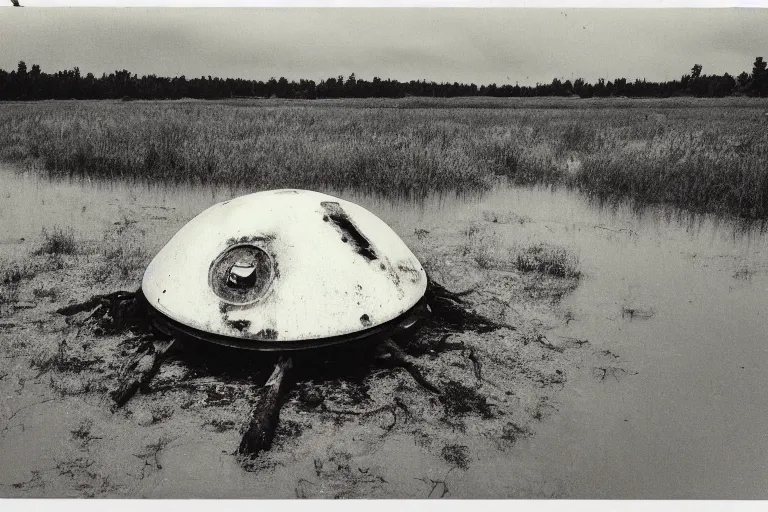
x: 267, y: 334
x: 252, y: 239
x: 240, y: 325
x: 395, y: 278
x: 219, y: 278
x: 407, y: 268
x: 361, y: 245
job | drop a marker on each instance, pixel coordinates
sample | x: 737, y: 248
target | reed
x: 58, y: 241
x: 545, y: 258
x: 701, y: 155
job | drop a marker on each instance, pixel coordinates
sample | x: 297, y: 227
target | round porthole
x: 242, y: 274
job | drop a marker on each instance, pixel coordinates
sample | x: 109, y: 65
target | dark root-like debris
x: 116, y: 313
x: 447, y: 313
x: 404, y: 361
x: 450, y: 312
x: 112, y: 313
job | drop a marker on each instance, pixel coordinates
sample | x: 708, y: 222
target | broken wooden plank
x: 266, y: 414
x: 140, y: 369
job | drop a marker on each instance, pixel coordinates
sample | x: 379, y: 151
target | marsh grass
x: 546, y: 258
x: 123, y: 253
x: 12, y: 275
x: 529, y: 254
x: 47, y: 355
x: 702, y: 155
x: 481, y: 245
x: 58, y: 241
x: 121, y: 263
x: 41, y: 292
x: 9, y: 294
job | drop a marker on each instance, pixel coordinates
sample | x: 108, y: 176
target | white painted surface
x: 323, y: 287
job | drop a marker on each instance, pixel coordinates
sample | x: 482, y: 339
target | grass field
x: 701, y: 155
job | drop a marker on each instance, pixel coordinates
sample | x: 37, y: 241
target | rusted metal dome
x: 284, y: 270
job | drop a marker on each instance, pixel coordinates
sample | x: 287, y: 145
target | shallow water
x: 692, y: 421
x: 684, y: 417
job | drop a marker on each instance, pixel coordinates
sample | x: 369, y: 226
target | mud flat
x: 633, y: 360
x: 358, y: 427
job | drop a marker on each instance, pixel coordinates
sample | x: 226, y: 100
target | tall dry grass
x: 704, y: 155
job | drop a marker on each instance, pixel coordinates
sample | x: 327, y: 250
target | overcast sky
x: 466, y: 45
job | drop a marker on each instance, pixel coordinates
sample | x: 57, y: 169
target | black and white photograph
x: 468, y: 250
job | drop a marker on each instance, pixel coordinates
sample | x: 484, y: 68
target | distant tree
x: 696, y: 71
x: 758, y: 68
x: 726, y: 85
x: 600, y: 89
x: 21, y: 84
x: 581, y: 88
x: 271, y: 87
x: 556, y: 87
x: 282, y: 88
x: 620, y: 87
x: 759, y: 77
x: 685, y: 81
x: 350, y: 86
x: 743, y: 79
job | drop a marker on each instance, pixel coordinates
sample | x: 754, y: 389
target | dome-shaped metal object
x: 284, y: 270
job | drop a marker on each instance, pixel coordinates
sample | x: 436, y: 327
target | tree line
x: 34, y: 84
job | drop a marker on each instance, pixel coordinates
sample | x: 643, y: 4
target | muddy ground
x: 354, y: 430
